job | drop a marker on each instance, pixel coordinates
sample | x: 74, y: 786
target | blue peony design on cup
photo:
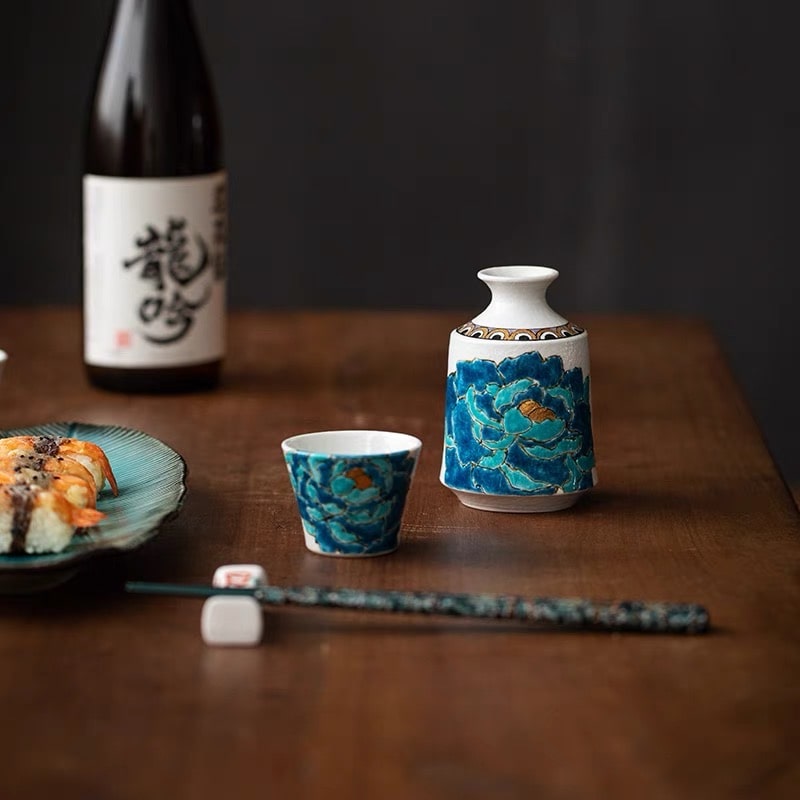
x: 351, y: 505
x: 520, y: 427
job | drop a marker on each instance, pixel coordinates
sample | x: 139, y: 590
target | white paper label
x: 154, y: 270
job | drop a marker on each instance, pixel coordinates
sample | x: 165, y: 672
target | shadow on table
x: 286, y: 624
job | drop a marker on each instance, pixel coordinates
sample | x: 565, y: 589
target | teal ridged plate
x: 151, y: 478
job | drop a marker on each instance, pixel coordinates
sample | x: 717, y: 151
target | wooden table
x: 111, y: 695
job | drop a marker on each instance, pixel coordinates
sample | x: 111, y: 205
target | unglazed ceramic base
x: 517, y: 503
x: 311, y: 544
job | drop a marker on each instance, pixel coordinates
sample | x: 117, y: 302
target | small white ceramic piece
x: 232, y: 621
x: 3, y: 359
x: 518, y: 433
x: 239, y: 576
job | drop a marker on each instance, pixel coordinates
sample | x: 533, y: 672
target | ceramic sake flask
x: 518, y: 427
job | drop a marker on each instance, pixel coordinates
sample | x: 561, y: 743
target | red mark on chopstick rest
x: 239, y: 580
x: 239, y: 576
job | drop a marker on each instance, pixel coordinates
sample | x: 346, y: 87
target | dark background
x: 380, y: 153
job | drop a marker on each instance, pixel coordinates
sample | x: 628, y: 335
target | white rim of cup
x: 392, y: 442
x: 3, y: 356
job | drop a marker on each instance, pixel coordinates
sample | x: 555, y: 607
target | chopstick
x: 559, y: 612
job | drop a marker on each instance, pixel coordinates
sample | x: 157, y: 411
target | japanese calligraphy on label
x: 154, y: 270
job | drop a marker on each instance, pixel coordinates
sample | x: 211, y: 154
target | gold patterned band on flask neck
x: 473, y: 331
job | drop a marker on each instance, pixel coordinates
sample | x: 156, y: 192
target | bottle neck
x: 153, y: 111
x: 145, y: 24
x: 519, y: 298
x: 145, y: 13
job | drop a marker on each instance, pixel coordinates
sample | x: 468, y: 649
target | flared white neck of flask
x: 519, y: 298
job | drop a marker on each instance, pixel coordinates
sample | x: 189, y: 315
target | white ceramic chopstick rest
x: 229, y: 620
x: 239, y: 576
x: 232, y: 621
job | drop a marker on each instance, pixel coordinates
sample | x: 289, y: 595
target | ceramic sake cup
x: 351, y: 488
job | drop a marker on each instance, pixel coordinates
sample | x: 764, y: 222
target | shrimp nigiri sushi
x: 37, y: 520
x: 64, y: 475
x: 79, y: 492
x: 86, y: 454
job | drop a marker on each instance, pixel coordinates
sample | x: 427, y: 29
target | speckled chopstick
x: 567, y: 613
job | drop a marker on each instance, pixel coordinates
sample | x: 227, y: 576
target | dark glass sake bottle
x: 155, y: 208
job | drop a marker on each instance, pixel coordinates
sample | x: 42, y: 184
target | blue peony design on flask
x: 520, y: 427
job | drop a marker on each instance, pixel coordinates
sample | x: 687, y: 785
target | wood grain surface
x: 111, y: 695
